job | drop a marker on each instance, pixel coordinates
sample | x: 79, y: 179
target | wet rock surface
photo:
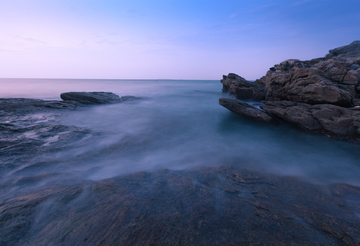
x: 246, y: 110
x: 323, y: 118
x: 328, y: 81
x: 41, y: 203
x: 91, y: 97
x: 206, y: 206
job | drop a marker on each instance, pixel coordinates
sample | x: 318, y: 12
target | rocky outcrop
x: 314, y: 95
x: 243, y: 89
x: 246, y: 110
x: 327, y: 82
x: 91, y: 97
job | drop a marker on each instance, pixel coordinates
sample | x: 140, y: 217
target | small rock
x: 91, y: 97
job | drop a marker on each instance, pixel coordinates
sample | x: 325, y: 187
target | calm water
x: 179, y: 124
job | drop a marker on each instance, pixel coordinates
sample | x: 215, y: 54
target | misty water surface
x: 179, y: 125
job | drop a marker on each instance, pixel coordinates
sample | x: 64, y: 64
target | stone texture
x: 324, y: 118
x: 91, y: 97
x: 246, y: 110
x: 242, y: 88
x: 313, y: 95
x: 206, y: 206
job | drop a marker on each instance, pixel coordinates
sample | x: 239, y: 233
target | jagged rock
x: 349, y: 52
x: 309, y: 93
x: 91, y: 97
x: 294, y: 80
x: 242, y: 88
x: 246, y: 110
x: 334, y: 79
x: 325, y: 118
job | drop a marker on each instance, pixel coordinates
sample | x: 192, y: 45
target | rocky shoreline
x: 204, y: 206
x: 320, y: 95
x: 201, y: 206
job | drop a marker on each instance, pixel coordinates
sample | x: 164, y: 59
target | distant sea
x: 179, y: 124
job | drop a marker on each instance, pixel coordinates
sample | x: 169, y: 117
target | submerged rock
x: 246, y: 110
x: 91, y: 97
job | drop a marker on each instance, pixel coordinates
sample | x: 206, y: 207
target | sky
x: 167, y: 39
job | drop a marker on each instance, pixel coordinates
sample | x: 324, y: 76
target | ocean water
x: 179, y: 124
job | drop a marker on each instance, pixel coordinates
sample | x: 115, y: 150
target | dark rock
x: 322, y: 83
x: 309, y: 93
x: 26, y: 105
x: 91, y: 97
x: 347, y: 52
x: 242, y: 88
x: 246, y: 110
x: 208, y: 206
x: 325, y: 118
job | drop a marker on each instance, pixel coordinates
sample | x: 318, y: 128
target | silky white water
x: 178, y: 124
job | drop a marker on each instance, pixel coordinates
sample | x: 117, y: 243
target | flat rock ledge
x: 91, y: 97
x: 319, y: 95
x: 205, y: 206
x: 246, y: 110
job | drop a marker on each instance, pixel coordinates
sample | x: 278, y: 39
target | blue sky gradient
x: 142, y: 39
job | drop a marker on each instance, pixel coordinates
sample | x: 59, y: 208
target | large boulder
x: 91, y: 97
x: 324, y: 82
x: 246, y: 110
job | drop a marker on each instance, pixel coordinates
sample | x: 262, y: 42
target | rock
x: 349, y: 52
x: 25, y: 105
x: 293, y: 80
x: 91, y: 97
x: 206, y: 206
x: 242, y: 88
x: 325, y: 118
x: 314, y: 95
x: 129, y: 98
x: 246, y: 110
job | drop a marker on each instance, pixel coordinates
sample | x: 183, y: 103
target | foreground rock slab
x: 206, y: 206
x: 246, y: 110
x: 91, y: 97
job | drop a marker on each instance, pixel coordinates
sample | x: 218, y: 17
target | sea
x: 179, y: 124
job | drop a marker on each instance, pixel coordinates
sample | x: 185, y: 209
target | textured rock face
x: 243, y: 89
x: 208, y: 206
x: 91, y: 97
x: 309, y: 93
x: 326, y: 118
x: 246, y: 110
x: 334, y: 79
